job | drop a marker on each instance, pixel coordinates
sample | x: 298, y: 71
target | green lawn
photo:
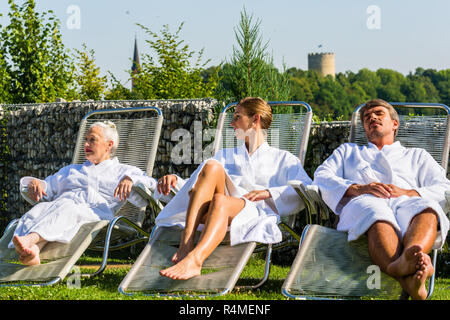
x: 104, y: 286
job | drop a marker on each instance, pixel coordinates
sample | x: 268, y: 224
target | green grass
x: 104, y: 286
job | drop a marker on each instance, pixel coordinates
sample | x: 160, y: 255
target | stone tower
x: 322, y: 63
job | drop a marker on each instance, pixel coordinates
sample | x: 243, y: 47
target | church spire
x: 136, y: 63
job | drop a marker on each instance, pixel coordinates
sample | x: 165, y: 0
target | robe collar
x: 264, y: 146
x: 387, y: 147
x: 113, y: 160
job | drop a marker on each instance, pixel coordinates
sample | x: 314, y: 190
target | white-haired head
x: 109, y: 132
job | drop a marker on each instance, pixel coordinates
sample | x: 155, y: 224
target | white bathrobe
x: 267, y: 168
x: 78, y: 194
x: 407, y: 168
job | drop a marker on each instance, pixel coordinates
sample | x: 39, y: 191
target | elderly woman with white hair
x: 77, y: 194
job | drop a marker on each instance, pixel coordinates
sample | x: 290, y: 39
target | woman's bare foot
x: 28, y: 251
x: 187, y: 268
x: 31, y: 256
x: 182, y: 252
x: 415, y: 284
x: 20, y: 244
x: 408, y: 262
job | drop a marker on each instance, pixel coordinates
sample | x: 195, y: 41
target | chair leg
x: 266, y: 270
x: 431, y: 281
x: 106, y: 247
x: 51, y: 282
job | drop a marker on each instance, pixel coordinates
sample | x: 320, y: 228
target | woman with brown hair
x: 243, y: 188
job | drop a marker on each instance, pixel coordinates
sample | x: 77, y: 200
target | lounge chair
x: 222, y: 269
x: 327, y: 265
x: 139, y: 130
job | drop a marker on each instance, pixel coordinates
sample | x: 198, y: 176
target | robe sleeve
x: 431, y: 179
x: 329, y: 177
x: 284, y: 197
x: 51, y: 184
x: 25, y: 181
x: 138, y: 176
x: 180, y: 182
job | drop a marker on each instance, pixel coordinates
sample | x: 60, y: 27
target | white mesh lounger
x: 139, y: 130
x: 327, y: 265
x: 289, y: 131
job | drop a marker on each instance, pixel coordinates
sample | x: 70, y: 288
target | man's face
x: 378, y: 123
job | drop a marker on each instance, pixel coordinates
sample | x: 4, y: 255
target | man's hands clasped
x: 380, y: 190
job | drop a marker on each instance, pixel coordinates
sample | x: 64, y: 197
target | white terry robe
x: 78, y: 194
x: 407, y: 168
x: 267, y: 168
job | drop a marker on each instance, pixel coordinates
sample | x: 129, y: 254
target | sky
x: 396, y: 34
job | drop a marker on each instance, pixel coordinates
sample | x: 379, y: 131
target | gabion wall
x: 39, y: 139
x: 323, y: 139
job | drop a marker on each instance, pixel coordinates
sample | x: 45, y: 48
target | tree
x: 431, y: 93
x: 90, y: 84
x: 4, y: 80
x: 441, y: 81
x: 118, y: 91
x: 38, y: 66
x: 251, y: 71
x: 170, y: 75
x: 389, y: 87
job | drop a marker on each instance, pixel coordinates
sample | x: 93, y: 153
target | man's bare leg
x: 385, y: 248
x: 29, y: 247
x: 410, y: 266
x: 384, y: 244
x: 417, y: 242
x: 211, y: 180
x: 418, y: 239
x: 220, y: 214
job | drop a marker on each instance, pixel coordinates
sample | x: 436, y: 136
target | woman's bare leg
x: 29, y: 247
x: 220, y: 214
x: 210, y: 181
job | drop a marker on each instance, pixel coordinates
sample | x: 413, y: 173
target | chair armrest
x: 149, y: 195
x: 447, y: 202
x: 311, y: 195
x: 301, y: 190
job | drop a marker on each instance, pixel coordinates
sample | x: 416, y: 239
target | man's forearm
x: 353, y: 191
x: 411, y: 193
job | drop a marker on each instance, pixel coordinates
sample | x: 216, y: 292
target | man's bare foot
x: 415, y: 284
x: 185, y: 269
x: 28, y: 252
x: 408, y: 262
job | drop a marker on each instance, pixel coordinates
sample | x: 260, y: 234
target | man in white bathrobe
x: 391, y: 193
